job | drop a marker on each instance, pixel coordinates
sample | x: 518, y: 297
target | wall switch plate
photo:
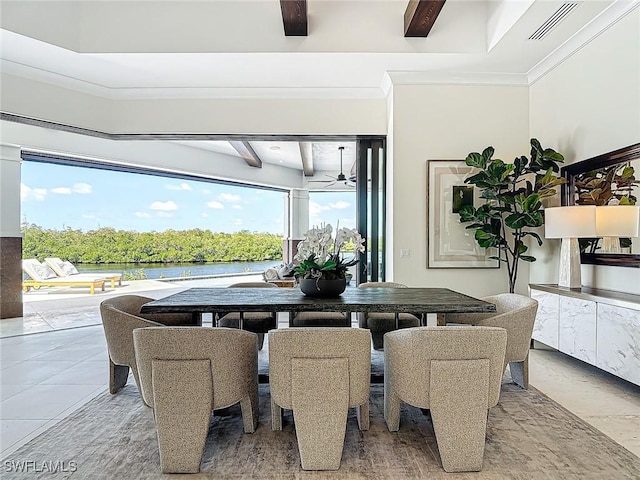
x: 405, y: 252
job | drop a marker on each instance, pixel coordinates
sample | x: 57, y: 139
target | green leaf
x: 476, y: 160
x: 527, y: 258
x: 534, y: 235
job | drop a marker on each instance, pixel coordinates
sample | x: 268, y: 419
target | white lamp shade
x: 618, y: 221
x: 570, y: 222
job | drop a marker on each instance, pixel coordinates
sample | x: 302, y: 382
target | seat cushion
x: 379, y: 322
x: 256, y: 322
x: 321, y: 319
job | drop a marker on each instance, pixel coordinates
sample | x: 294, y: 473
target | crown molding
x: 609, y: 17
x: 460, y: 78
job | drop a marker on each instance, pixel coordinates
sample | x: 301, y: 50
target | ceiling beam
x: 245, y: 150
x: 307, y: 158
x: 294, y: 17
x: 420, y: 17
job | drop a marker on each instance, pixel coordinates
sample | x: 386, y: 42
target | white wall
x: 586, y: 106
x: 443, y: 122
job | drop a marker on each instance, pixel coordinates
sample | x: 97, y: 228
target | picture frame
x: 449, y: 243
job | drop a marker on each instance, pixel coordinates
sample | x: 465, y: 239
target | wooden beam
x: 245, y: 150
x: 420, y: 17
x: 294, y: 17
x: 307, y: 158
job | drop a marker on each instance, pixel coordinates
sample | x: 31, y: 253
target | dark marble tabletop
x: 415, y: 300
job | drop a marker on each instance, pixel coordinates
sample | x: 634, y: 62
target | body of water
x: 171, y: 270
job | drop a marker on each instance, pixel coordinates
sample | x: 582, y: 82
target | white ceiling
x: 222, y: 48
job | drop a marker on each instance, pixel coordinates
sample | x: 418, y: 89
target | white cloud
x: 82, y: 188
x: 215, y: 204
x: 164, y: 214
x: 237, y: 207
x: 339, y: 205
x: 315, y: 208
x: 28, y: 193
x: 229, y: 197
x: 142, y: 215
x: 182, y: 186
x: 164, y: 206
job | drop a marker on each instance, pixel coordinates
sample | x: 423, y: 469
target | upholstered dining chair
x: 516, y: 314
x: 256, y: 322
x: 320, y: 373
x: 456, y: 373
x: 120, y: 316
x: 381, y: 323
x: 185, y: 373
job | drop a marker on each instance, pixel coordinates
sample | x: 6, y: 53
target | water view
x: 172, y: 270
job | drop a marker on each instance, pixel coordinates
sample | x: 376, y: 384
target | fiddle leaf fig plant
x: 513, y: 194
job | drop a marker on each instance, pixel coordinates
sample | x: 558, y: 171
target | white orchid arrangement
x: 319, y: 253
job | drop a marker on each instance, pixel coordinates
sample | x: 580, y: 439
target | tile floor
x: 46, y: 376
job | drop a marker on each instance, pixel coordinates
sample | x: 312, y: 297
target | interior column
x: 10, y: 234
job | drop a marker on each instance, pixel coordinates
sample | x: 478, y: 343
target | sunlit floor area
x: 48, y: 375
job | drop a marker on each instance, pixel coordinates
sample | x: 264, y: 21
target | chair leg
x: 520, y: 373
x: 320, y: 418
x: 362, y: 412
x: 459, y: 400
x: 378, y: 340
x: 249, y: 407
x: 260, y: 340
x: 276, y: 416
x: 391, y: 407
x: 182, y: 403
x: 118, y: 375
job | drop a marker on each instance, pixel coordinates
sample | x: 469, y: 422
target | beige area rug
x: 529, y: 436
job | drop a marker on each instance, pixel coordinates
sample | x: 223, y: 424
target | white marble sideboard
x: 599, y: 327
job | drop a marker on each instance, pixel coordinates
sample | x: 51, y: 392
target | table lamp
x: 570, y: 223
x: 615, y: 221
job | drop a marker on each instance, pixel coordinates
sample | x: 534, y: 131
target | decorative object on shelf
x: 513, y: 193
x: 569, y: 224
x: 615, y: 221
x: 321, y: 259
x: 450, y: 245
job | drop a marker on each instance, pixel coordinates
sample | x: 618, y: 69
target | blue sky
x: 57, y: 197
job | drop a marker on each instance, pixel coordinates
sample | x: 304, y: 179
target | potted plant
x: 513, y: 193
x: 322, y: 269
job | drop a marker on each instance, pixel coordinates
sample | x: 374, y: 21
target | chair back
x: 36, y: 270
x: 409, y: 354
x: 288, y: 345
x: 516, y: 314
x: 232, y: 355
x: 253, y: 285
x: 382, y: 285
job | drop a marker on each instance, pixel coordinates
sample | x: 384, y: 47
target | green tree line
x: 107, y: 245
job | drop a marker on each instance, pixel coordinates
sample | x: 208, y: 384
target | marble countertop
x: 610, y: 297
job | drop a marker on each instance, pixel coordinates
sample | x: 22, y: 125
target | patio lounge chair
x: 42, y: 276
x: 65, y: 269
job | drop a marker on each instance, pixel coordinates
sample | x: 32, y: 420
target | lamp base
x: 611, y: 245
x: 570, y: 264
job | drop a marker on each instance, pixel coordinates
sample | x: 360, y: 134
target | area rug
x: 529, y: 436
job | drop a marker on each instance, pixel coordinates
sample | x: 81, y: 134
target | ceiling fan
x: 341, y: 178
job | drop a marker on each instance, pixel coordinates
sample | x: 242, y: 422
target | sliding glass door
x: 370, y: 204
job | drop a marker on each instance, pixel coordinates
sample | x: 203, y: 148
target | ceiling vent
x: 552, y: 22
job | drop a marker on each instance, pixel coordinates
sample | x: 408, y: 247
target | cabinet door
x: 545, y: 329
x: 577, y: 332
x: 618, y: 341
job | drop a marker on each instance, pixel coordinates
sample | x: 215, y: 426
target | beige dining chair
x: 516, y: 314
x: 456, y: 373
x: 256, y: 322
x: 185, y: 373
x: 320, y: 373
x: 120, y: 316
x: 381, y: 323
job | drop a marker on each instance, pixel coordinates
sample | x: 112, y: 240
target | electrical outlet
x: 405, y: 252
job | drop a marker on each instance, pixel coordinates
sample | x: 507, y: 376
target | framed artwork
x: 449, y: 243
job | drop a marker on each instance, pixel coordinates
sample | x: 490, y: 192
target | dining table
x: 380, y: 300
